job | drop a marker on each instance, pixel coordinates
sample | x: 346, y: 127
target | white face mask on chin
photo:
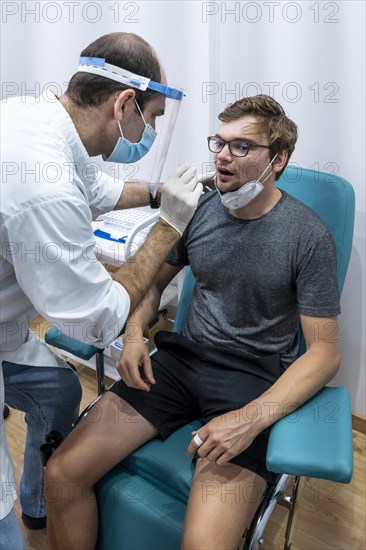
x: 233, y: 200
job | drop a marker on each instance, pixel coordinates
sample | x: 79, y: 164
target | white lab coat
x: 51, y: 190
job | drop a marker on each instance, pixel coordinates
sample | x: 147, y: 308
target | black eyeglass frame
x: 228, y: 143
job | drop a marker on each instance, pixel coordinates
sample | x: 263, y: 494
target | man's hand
x: 134, y: 366
x: 180, y: 196
x: 225, y: 437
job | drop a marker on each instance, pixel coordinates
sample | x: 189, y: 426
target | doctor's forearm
x: 134, y: 195
x: 144, y: 313
x: 137, y: 275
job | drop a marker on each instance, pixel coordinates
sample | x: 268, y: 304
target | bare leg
x: 110, y: 432
x: 221, y: 504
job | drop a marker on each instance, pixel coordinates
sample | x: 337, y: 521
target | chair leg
x: 273, y: 493
x: 100, y: 371
x: 291, y: 500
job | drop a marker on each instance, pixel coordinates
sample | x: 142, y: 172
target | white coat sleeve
x: 103, y: 190
x: 56, y: 265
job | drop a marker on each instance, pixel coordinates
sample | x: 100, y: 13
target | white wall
x: 309, y: 55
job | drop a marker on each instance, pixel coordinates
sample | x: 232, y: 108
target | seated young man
x: 263, y: 263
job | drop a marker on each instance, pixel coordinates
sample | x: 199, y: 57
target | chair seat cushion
x: 316, y: 439
x: 165, y: 463
x: 134, y: 514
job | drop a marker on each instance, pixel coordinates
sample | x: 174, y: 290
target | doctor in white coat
x: 51, y: 191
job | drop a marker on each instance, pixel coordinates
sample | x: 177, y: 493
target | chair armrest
x: 54, y: 337
x: 316, y: 439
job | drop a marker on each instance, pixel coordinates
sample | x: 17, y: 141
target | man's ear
x: 123, y: 104
x: 280, y: 161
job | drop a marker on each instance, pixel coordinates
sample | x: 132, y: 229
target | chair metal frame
x: 274, y: 493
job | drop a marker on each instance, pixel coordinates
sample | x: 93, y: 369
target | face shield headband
x: 173, y: 97
x: 99, y: 67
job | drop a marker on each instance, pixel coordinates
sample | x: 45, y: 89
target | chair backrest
x: 330, y: 196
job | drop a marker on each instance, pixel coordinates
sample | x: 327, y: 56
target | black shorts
x: 202, y: 381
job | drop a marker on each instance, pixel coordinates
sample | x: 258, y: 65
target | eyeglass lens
x: 236, y: 147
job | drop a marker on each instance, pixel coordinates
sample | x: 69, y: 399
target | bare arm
x: 134, y: 354
x: 308, y: 374
x: 147, y: 309
x: 137, y: 274
x: 134, y: 195
x: 304, y: 378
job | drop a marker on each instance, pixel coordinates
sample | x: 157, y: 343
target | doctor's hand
x: 180, y: 196
x: 224, y: 437
x: 134, y: 366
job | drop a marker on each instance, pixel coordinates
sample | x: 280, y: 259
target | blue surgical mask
x: 127, y: 152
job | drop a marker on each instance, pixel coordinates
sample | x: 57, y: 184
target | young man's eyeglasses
x: 237, y: 147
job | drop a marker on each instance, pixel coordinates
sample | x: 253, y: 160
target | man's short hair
x: 126, y: 50
x: 272, y: 121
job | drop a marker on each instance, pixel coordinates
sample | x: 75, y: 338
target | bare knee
x: 54, y: 471
x: 63, y: 483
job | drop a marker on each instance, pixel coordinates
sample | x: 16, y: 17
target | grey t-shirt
x: 255, y: 277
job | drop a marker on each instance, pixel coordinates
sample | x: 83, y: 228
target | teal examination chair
x: 142, y: 500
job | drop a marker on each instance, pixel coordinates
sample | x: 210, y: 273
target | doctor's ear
x: 122, y: 103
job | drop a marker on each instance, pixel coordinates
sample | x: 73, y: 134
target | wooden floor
x: 329, y: 516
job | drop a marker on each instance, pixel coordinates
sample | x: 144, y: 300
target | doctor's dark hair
x: 271, y: 120
x: 126, y: 50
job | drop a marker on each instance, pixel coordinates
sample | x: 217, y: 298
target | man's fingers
x: 191, y: 183
x: 180, y: 198
x: 138, y: 382
x: 132, y: 378
x: 195, y: 443
x: 189, y: 177
x: 197, y: 440
x: 148, y: 370
x: 184, y: 167
x: 198, y: 191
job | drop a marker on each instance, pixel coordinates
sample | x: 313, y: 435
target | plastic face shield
x: 165, y: 124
